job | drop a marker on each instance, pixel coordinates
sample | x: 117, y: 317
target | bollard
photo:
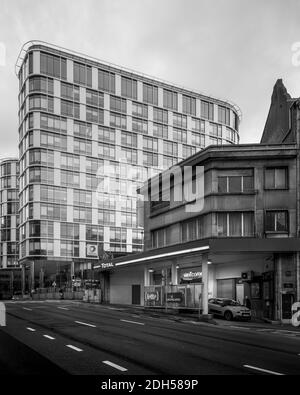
x: 2, y: 314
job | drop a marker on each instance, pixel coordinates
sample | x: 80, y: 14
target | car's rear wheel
x: 228, y: 315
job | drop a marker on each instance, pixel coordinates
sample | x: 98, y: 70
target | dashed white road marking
x: 263, y: 370
x: 84, y: 323
x: 31, y: 329
x: 26, y: 308
x: 49, y: 337
x: 73, y: 347
x: 115, y: 366
x: 63, y: 308
x: 133, y: 322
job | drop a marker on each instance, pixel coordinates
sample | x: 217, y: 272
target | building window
x: 106, y: 151
x: 82, y: 214
x: 150, y: 144
x: 117, y: 104
x: 82, y: 129
x: 140, y: 110
x: 179, y: 121
x: 150, y: 159
x: 276, y: 221
x: 69, y: 162
x: 179, y: 135
x: 207, y: 110
x: 169, y: 161
x: 170, y: 100
x: 198, y: 139
x: 276, y: 178
x: 53, y: 66
x: 69, y: 91
x: 52, y: 140
x: 188, y: 150
x: 159, y: 238
x: 106, y: 81
x: 94, y: 98
x: 106, y: 135
x: 138, y: 125
x: 170, y: 148
x: 52, y: 122
x: 215, y: 130
x: 94, y: 233
x: 41, y: 102
x: 160, y: 115
x: 82, y: 198
x: 224, y: 115
x: 82, y: 147
x: 235, y: 224
x: 69, y: 109
x: 198, y: 125
x: 129, y: 154
x: 160, y: 131
x: 129, y: 139
x: 118, y: 121
x: 214, y: 141
x: 235, y: 184
x: 41, y: 84
x: 82, y: 74
x: 129, y: 88
x: 189, y: 105
x: 70, y: 178
x: 150, y: 94
x: 94, y: 115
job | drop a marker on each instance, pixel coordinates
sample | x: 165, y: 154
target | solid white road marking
x: 263, y: 370
x: 31, y: 329
x: 115, y: 366
x: 49, y: 337
x: 84, y: 323
x: 26, y: 308
x: 74, y: 348
x: 133, y: 322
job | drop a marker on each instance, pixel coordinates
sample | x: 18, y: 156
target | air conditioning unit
x: 247, y: 276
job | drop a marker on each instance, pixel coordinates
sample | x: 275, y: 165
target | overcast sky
x: 233, y: 49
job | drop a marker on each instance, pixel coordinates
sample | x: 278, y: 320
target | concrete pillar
x: 205, y: 284
x: 174, y: 274
x: 31, y: 275
x: 298, y: 275
x: 146, y: 276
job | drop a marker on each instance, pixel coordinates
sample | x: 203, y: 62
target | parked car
x: 228, y: 309
x: 17, y: 296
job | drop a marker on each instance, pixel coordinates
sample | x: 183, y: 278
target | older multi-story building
x: 82, y: 123
x: 10, y: 274
x: 237, y: 237
x: 9, y: 213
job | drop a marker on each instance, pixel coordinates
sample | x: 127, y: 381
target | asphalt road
x: 79, y: 338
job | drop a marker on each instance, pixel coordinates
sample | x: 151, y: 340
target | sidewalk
x: 174, y: 315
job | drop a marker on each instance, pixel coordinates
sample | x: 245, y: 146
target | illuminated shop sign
x: 152, y: 296
x: 175, y: 297
x: 191, y: 275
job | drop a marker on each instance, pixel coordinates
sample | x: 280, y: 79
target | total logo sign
x: 92, y: 250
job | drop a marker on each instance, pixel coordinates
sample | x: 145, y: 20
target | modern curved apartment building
x: 90, y: 133
x: 9, y: 202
